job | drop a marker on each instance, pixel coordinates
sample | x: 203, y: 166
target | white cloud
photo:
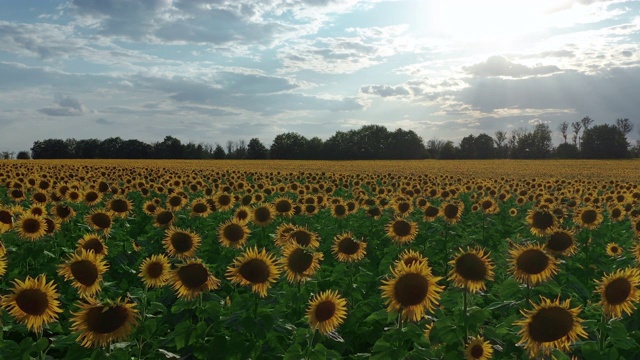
x: 66, y: 106
x: 501, y: 66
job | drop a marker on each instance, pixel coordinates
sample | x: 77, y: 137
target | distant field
x: 497, y: 259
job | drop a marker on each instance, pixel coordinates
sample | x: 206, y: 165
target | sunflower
x: 100, y: 324
x: 619, y: 292
x: 401, y: 231
x: 6, y: 220
x: 263, y: 215
x: 3, y: 265
x: 85, y: 270
x: 635, y: 224
x: 40, y: 198
x: 550, y: 325
x: 478, y: 349
x: 283, y: 206
x: 347, y: 248
x: 176, y: 202
x: 149, y: 207
x: 155, y: 271
x: 33, y: 302
x: 471, y: 269
x: 531, y: 265
x: 452, y: 211
x: 614, y: 250
x: 91, y: 197
x: 430, y: 212
x: 561, y: 242
x: 31, y: 227
x: 408, y: 257
x: 181, y: 243
x: 243, y: 214
x: 617, y: 213
x: 513, y: 212
x: 374, y: 212
x: 200, y: 208
x: 163, y: 218
x: 299, y: 263
x: 224, y: 201
x: 282, y: 233
x: 402, y: 207
x: 63, y: 212
x: 588, y: 217
x: 302, y: 236
x: 233, y: 233
x: 327, y: 310
x: 192, y: 278
x: 258, y: 269
x: 93, y: 242
x: 37, y: 210
x: 541, y: 221
x: 489, y: 205
x: 119, y: 207
x: 99, y: 220
x: 339, y: 211
x: 412, y: 290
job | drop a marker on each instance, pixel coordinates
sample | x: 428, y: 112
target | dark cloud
x: 501, y: 66
x: 66, y: 106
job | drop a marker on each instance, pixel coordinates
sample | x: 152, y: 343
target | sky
x: 218, y: 70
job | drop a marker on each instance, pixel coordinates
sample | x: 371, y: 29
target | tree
x: 50, y: 149
x: 110, y: 148
x: 371, y: 142
x: 536, y: 144
x: 586, y: 122
x: 315, y: 148
x: 405, y: 144
x: 577, y: 126
x: 467, y: 147
x: 624, y: 125
x: 567, y: 151
x: 434, y: 146
x: 501, y: 146
x: 484, y: 147
x: 564, y: 127
x: 256, y: 150
x: 134, y: 149
x: 218, y: 153
x: 604, y: 142
x: 23, y: 155
x: 289, y: 145
x: 449, y: 151
x: 87, y: 149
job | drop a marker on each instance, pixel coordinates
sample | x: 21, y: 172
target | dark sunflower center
x: 348, y: 246
x: 487, y: 204
x: 614, y: 249
x: 63, y: 211
x: 411, y: 289
x: 151, y: 208
x: 5, y: 217
x: 550, y: 324
x: 33, y: 301
x: 403, y: 207
x: 181, y: 241
x: 119, y: 205
x: 101, y: 220
x: 374, y: 212
x: 175, y: 201
x: 105, y: 320
x: 477, y: 351
x: 31, y: 226
x: 542, y: 220
x: 40, y: 197
x: 340, y: 210
x: 255, y: 271
x: 299, y: 261
x: 103, y: 187
x: 93, y: 244
x: 164, y: 217
x: 200, y: 208
x: 233, y: 232
x: 50, y: 226
x: 283, y: 206
x: 193, y: 276
x: 224, y: 200
x: 589, y: 216
x: 401, y: 228
x: 471, y: 267
x: 303, y: 238
x: 532, y: 261
x: 85, y: 272
x: 38, y: 211
x: 74, y: 195
x: 311, y: 208
x: 637, y: 226
x: 262, y: 214
x: 242, y: 215
x: 431, y: 211
x: 325, y: 310
x: 155, y: 269
x: 559, y: 241
x: 17, y: 194
x: 91, y: 196
x: 616, y: 213
x: 451, y: 211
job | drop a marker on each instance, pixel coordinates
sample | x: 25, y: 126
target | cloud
x: 103, y: 121
x: 66, y: 106
x: 501, y: 66
x: 385, y: 90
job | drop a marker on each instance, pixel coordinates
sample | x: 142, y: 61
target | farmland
x: 289, y: 259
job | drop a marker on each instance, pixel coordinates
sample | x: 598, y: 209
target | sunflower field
x: 319, y: 260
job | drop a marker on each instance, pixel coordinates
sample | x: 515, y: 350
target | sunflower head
x: 93, y: 242
x: 155, y: 271
x: 531, y: 265
x: 327, y: 310
x: 401, y: 230
x: 588, y: 217
x: 120, y: 207
x: 478, y: 349
x: 619, y: 292
x: 200, y: 208
x: 430, y: 212
x: 181, y: 243
x: 31, y: 227
x: 471, y: 269
x: 263, y: 215
x: 99, y: 324
x: 412, y: 290
x: 99, y: 220
x: 408, y: 257
x: 302, y: 236
x: 254, y: 268
x: 85, y: 270
x: 561, y: 242
x: 299, y: 263
x: 163, y: 218
x: 541, y: 221
x: 348, y: 248
x: 452, y: 211
x: 550, y: 325
x: 33, y: 302
x: 192, y: 278
x: 233, y: 233
x: 283, y: 206
x: 614, y: 250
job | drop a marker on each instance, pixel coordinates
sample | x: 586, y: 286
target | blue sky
x: 212, y: 71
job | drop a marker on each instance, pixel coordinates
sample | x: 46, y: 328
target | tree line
x: 370, y: 142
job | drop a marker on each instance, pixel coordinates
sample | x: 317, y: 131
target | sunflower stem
x: 400, y: 320
x: 602, y: 338
x: 313, y: 335
x: 256, y: 301
x: 466, y: 314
